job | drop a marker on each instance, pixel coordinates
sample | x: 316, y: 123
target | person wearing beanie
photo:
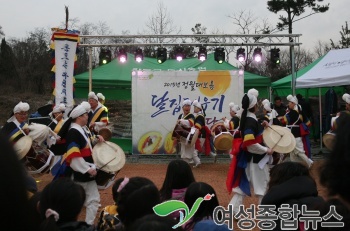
x: 233, y: 125
x: 16, y: 127
x: 79, y: 158
x: 186, y: 121
x: 98, y: 116
x: 59, y: 148
x: 245, y: 171
x: 293, y: 119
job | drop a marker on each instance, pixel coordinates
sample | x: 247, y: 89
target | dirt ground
x: 211, y: 173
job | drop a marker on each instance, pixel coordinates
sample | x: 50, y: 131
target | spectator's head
x: 282, y: 172
x: 61, y: 201
x: 179, y: 175
x: 336, y: 168
x: 153, y: 222
x: 137, y: 197
x: 278, y: 101
x: 299, y: 97
x: 14, y: 195
x: 206, y: 208
x: 115, y: 187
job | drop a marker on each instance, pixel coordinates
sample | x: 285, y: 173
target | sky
x: 18, y: 17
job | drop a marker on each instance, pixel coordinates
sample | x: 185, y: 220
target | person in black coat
x: 291, y: 184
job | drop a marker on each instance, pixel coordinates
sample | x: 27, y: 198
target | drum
x: 106, y: 133
x: 222, y: 137
x: 109, y: 158
x: 329, y: 140
x: 37, y: 159
x: 191, y: 134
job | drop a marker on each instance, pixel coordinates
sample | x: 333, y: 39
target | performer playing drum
x: 57, y: 121
x: 233, y: 126
x: 16, y: 127
x: 79, y: 158
x: 186, y: 119
x: 98, y: 116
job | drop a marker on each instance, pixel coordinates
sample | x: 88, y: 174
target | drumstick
x: 106, y: 163
x: 281, y: 136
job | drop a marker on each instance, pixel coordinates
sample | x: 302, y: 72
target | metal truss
x: 191, y: 40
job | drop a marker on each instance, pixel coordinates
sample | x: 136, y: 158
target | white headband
x: 92, y: 96
x: 100, y: 96
x: 59, y: 108
x: 292, y: 99
x: 346, y: 98
x: 21, y: 107
x: 233, y: 107
x: 252, y: 100
x: 79, y: 110
x: 186, y: 102
x: 196, y: 104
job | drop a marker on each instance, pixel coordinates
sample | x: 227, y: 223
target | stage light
x: 202, y: 53
x: 179, y: 53
x: 241, y: 54
x: 219, y: 55
x: 257, y: 55
x: 161, y: 54
x: 138, y: 55
x: 275, y: 56
x: 105, y: 56
x: 122, y: 55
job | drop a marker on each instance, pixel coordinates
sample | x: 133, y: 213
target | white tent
x: 332, y: 70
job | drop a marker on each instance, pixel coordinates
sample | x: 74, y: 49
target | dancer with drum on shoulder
x: 79, y: 158
x: 293, y: 119
x: 186, y: 120
x: 233, y: 126
x: 249, y: 169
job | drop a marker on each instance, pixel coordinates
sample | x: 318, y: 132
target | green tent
x: 283, y: 87
x: 114, y: 78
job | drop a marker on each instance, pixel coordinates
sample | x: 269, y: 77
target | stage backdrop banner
x: 65, y: 53
x: 157, y: 97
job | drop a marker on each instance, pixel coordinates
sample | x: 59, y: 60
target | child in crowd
x: 206, y: 208
x: 178, y: 177
x: 60, y: 204
x: 109, y: 215
x: 137, y: 197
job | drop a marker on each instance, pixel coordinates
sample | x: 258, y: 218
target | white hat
x: 267, y: 105
x: 252, y: 100
x: 292, y: 99
x: 233, y: 107
x: 346, y: 98
x: 265, y: 101
x: 59, y: 108
x: 196, y: 104
x: 186, y: 102
x: 92, y: 96
x: 80, y: 110
x: 21, y: 107
x: 100, y: 96
x: 254, y: 92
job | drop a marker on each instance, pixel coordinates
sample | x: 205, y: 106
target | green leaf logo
x: 168, y: 207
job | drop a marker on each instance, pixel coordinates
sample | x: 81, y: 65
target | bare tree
x: 159, y: 23
x: 1, y: 32
x: 320, y: 49
x: 246, y: 23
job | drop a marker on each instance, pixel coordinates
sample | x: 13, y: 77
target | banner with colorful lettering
x: 65, y: 47
x: 157, y: 97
